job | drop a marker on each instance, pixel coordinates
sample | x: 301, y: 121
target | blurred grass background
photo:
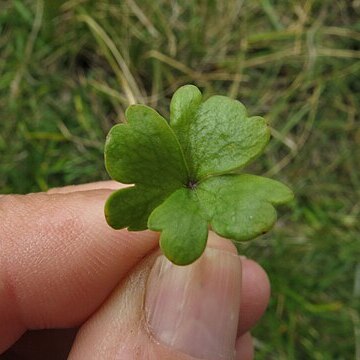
x: 68, y: 70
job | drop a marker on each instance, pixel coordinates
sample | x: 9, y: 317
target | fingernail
x: 194, y: 309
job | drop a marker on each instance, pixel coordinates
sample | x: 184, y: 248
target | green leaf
x: 184, y: 229
x: 131, y: 207
x: 183, y: 177
x: 240, y: 207
x: 217, y: 136
x: 145, y: 151
x: 183, y: 107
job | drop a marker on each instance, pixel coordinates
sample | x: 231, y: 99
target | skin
x: 63, y: 268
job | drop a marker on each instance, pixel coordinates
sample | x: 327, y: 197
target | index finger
x: 59, y: 259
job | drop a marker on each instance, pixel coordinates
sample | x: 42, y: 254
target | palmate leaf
x: 182, y: 173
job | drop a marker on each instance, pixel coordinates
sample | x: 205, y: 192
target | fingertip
x: 245, y: 347
x: 255, y: 294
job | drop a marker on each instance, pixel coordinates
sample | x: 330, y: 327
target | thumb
x: 164, y: 311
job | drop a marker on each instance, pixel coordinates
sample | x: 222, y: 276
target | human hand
x: 62, y: 266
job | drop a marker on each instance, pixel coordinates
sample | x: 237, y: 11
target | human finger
x: 255, y: 292
x: 244, y: 347
x: 188, y: 312
x: 59, y: 259
x: 255, y: 295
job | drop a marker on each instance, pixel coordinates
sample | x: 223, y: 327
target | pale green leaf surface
x: 183, y: 107
x: 183, y: 228
x: 240, y: 207
x: 217, y: 136
x: 145, y: 151
x: 131, y: 207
